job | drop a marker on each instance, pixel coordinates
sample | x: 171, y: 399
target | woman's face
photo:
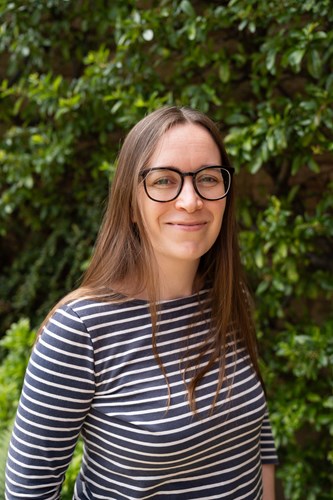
x: 184, y: 229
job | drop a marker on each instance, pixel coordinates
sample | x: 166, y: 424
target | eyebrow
x: 179, y: 168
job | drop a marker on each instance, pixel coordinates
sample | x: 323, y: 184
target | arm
x: 56, y: 396
x: 268, y: 458
x: 268, y: 481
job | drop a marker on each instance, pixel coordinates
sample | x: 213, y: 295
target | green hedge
x: 76, y: 75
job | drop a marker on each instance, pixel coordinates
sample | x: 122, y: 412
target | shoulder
x: 64, y: 341
x: 64, y: 324
x: 94, y: 313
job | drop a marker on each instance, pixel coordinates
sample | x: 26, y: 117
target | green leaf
x: 314, y: 64
x: 255, y: 165
x: 186, y: 7
x: 295, y: 58
x: 270, y: 61
x: 224, y: 71
x: 313, y: 165
x: 259, y: 258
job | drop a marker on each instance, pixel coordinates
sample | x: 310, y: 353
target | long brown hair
x: 123, y: 250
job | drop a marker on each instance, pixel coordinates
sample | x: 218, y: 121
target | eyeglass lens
x: 211, y: 183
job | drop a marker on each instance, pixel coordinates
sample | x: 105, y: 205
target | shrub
x: 15, y: 348
x: 75, y: 79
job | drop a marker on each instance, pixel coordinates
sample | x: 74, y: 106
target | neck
x: 178, y: 281
x: 175, y: 281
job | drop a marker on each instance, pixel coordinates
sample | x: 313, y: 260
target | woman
x: 153, y: 359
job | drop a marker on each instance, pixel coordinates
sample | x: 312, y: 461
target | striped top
x: 93, y: 372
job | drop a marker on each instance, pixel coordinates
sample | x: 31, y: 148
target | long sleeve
x: 115, y: 394
x: 56, y: 396
x: 267, y: 447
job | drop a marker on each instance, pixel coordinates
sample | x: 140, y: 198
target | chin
x: 192, y: 254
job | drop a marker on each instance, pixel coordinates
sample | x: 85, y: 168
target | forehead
x: 186, y: 144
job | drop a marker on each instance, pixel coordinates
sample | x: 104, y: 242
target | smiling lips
x: 188, y: 226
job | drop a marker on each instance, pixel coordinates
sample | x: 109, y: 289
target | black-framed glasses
x: 165, y: 183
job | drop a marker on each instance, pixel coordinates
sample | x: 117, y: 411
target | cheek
x: 137, y: 208
x: 146, y: 213
x: 219, y: 211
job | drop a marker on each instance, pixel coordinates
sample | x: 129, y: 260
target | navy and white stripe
x: 93, y: 372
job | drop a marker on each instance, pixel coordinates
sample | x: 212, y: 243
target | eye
x: 162, y: 179
x: 211, y: 178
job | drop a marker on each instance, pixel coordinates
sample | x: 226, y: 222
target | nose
x: 188, y: 199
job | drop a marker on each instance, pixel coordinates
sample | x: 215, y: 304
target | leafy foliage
x: 4, y: 439
x: 76, y: 76
x: 15, y: 347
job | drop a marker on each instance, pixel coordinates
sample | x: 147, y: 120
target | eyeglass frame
x: 228, y: 168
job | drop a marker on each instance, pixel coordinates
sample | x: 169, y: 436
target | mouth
x: 189, y: 226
